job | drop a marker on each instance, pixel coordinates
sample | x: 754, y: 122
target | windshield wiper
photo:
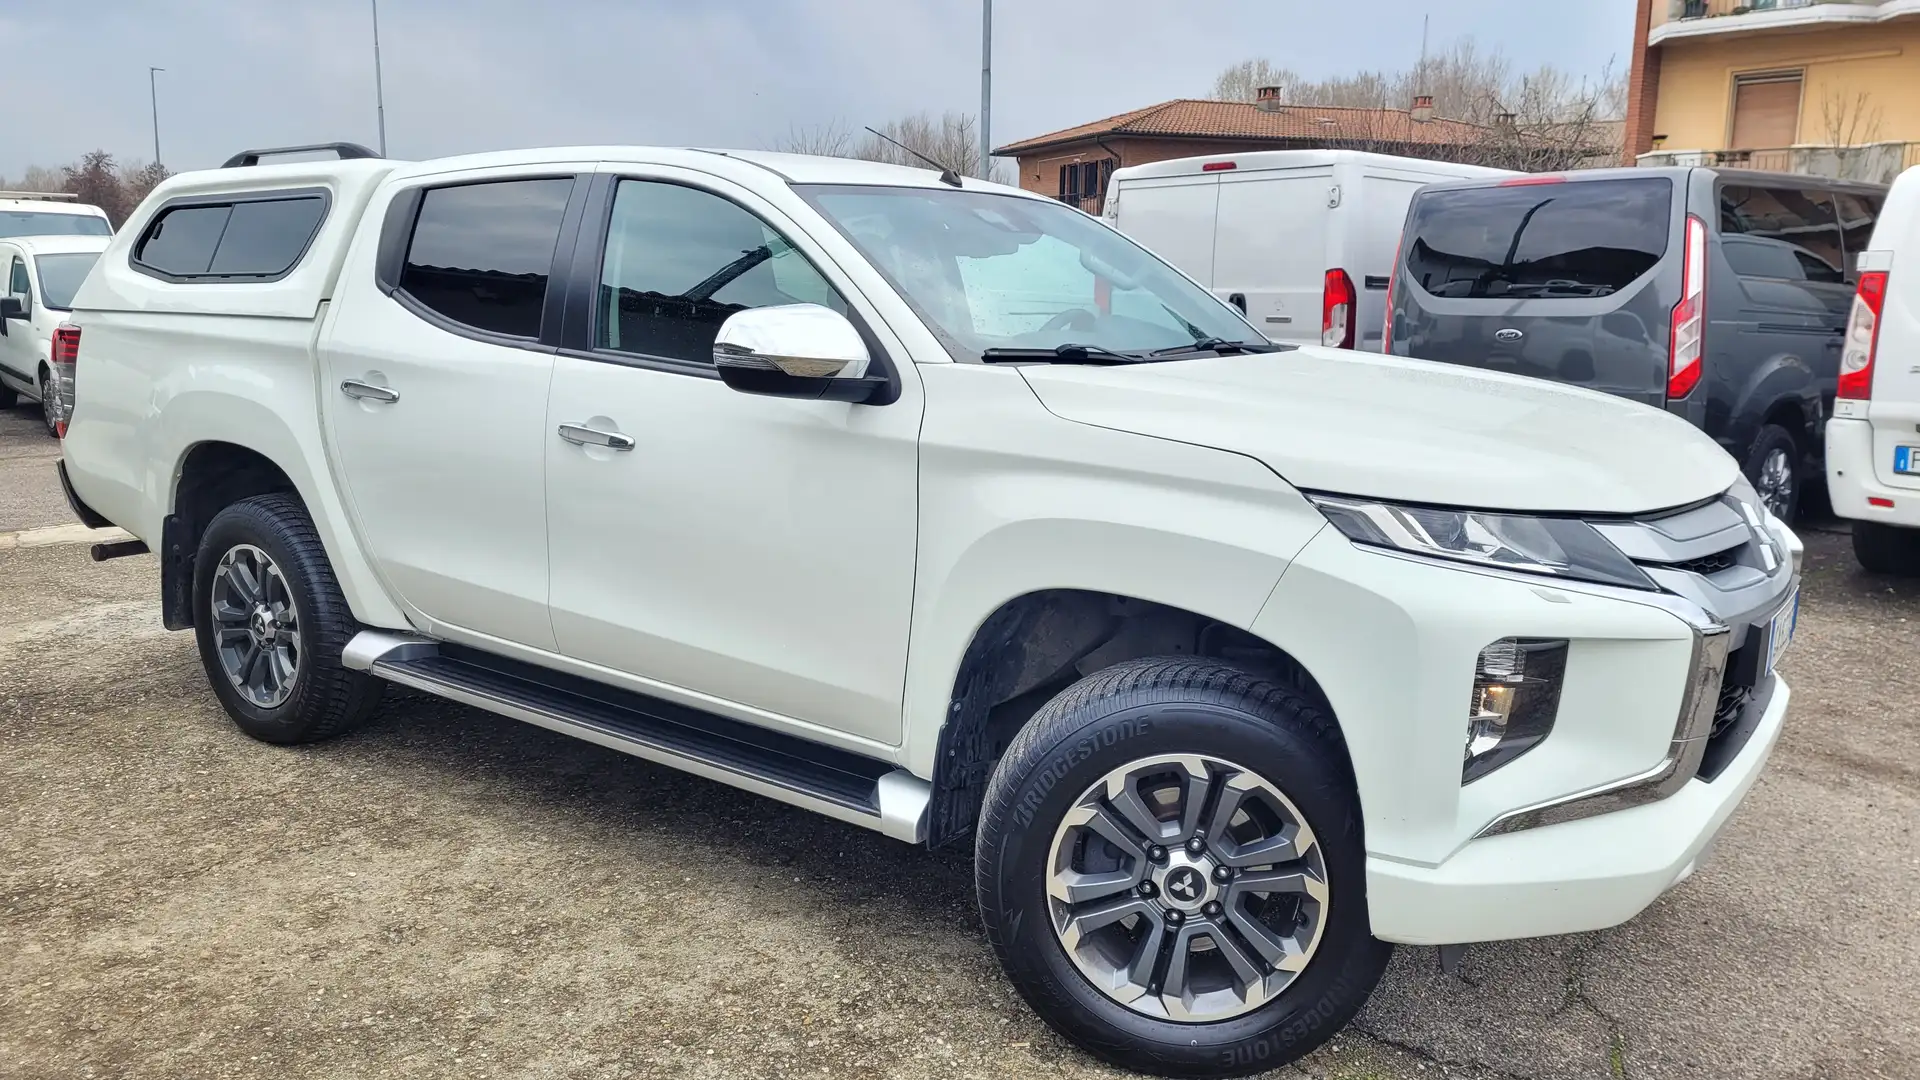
x: 1061, y: 354
x: 1219, y: 345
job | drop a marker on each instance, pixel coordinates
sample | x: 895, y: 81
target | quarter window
x: 481, y: 253
x: 246, y: 238
x: 1791, y: 233
x: 680, y: 260
x: 18, y: 284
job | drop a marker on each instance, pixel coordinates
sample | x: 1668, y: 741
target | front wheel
x: 1171, y: 870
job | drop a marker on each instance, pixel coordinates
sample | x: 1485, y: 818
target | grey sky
x: 465, y: 75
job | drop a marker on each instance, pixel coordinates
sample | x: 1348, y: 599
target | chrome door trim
x: 582, y: 435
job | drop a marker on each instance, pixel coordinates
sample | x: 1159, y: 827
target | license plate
x: 1906, y: 459
x: 1780, y: 629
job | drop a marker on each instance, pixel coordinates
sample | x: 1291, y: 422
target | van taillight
x: 64, y: 354
x: 1689, y: 315
x: 1863, y: 336
x: 1336, y: 311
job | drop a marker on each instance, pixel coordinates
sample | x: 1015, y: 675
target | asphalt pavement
x: 451, y: 894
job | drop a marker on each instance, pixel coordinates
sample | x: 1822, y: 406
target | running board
x: 830, y: 781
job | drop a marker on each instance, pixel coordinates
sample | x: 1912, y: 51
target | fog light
x: 1516, y: 693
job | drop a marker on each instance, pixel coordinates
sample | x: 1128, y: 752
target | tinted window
x: 61, y: 275
x: 680, y: 260
x: 27, y: 223
x: 481, y: 253
x: 1858, y: 214
x: 1573, y: 239
x: 181, y: 240
x: 17, y: 283
x: 1800, y: 225
x: 266, y: 238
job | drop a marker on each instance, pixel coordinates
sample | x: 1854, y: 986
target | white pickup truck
x: 943, y: 509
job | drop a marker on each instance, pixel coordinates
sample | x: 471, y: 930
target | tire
x: 1780, y: 491
x: 1111, y: 722
x: 1886, y: 549
x: 321, y: 699
x: 9, y: 397
x: 47, y: 394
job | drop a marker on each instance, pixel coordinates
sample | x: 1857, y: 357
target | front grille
x: 1711, y: 564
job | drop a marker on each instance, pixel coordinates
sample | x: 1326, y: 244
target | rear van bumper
x: 1851, y: 480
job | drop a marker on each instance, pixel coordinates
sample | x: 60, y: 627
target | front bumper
x: 1567, y: 878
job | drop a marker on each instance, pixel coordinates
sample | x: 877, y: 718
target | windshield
x: 1564, y: 240
x: 40, y: 223
x: 991, y: 271
x: 61, y: 275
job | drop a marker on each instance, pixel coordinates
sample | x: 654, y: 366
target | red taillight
x: 1875, y: 500
x: 1336, y: 311
x: 63, y: 356
x: 1217, y: 166
x: 1689, y: 315
x: 1863, y: 336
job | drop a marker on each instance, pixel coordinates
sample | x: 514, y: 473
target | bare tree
x: 37, y: 178
x: 1241, y: 81
x: 952, y: 139
x: 1849, y: 119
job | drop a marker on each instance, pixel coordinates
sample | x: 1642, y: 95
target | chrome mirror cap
x: 802, y: 340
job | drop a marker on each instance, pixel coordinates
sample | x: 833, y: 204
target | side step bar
x: 827, y: 780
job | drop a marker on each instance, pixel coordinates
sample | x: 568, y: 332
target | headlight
x: 1554, y: 547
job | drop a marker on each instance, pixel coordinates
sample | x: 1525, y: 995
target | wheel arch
x: 1036, y: 644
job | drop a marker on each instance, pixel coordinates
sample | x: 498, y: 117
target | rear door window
x: 1539, y: 240
x: 481, y: 253
x: 1858, y: 215
x: 1781, y: 232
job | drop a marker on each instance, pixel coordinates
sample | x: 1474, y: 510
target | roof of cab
x: 50, y: 206
x: 1299, y: 159
x: 60, y: 245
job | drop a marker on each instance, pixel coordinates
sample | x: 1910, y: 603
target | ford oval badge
x: 1509, y: 335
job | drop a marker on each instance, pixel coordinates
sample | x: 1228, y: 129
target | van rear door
x: 1272, y: 249
x: 1171, y: 216
x: 1562, y: 279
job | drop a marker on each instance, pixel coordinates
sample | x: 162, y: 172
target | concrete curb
x: 55, y: 535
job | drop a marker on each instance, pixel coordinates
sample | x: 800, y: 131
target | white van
x: 1873, y: 439
x: 1283, y: 235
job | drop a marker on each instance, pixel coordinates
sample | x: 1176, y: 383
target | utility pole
x: 153, y: 96
x: 379, y: 90
x: 986, y: 87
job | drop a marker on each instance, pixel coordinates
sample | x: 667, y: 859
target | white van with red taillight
x: 1873, y: 440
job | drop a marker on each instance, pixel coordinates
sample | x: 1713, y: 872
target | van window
x: 42, y: 223
x: 61, y: 275
x: 1792, y: 233
x: 1547, y: 240
x: 1858, y: 215
x: 245, y: 238
x: 481, y: 253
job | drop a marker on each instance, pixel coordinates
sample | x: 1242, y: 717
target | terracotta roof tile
x: 1238, y: 120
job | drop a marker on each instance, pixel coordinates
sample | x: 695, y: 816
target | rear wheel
x: 9, y: 397
x: 1886, y: 549
x: 1773, y: 465
x: 49, y: 405
x: 1171, y: 871
x: 271, y: 622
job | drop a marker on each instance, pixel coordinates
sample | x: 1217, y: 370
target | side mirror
x: 795, y: 351
x: 12, y: 307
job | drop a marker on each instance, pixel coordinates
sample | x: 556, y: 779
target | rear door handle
x: 366, y: 391
x: 582, y: 435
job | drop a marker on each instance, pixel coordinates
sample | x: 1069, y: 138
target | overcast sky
x: 464, y: 75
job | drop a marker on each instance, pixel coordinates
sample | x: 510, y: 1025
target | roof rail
x: 346, y: 150
x: 52, y: 196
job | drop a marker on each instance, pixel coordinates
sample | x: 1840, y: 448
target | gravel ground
x: 451, y: 894
x: 29, y: 493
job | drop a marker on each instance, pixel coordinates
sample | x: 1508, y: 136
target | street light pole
x: 986, y: 86
x: 153, y: 95
x: 379, y: 91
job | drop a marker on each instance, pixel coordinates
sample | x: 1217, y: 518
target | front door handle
x: 582, y: 435
x: 366, y: 391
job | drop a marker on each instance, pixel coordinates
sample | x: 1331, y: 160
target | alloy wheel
x: 256, y: 626
x: 1775, y: 483
x: 1187, y: 888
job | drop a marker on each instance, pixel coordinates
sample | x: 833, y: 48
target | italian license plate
x: 1780, y: 629
x: 1906, y: 459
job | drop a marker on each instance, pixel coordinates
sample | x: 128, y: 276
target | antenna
x: 947, y: 175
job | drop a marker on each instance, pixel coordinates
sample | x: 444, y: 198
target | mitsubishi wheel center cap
x: 1185, y: 886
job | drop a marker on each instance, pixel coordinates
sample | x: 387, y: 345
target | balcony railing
x: 1707, y: 9
x: 1092, y: 204
x: 1876, y: 163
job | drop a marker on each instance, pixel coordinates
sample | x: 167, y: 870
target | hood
x: 1406, y: 430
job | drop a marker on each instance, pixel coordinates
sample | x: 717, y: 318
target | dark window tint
x: 61, y: 275
x: 680, y: 260
x: 181, y: 241
x: 1798, y: 225
x: 266, y: 238
x: 1568, y: 239
x: 31, y: 223
x: 481, y: 253
x: 1858, y: 215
